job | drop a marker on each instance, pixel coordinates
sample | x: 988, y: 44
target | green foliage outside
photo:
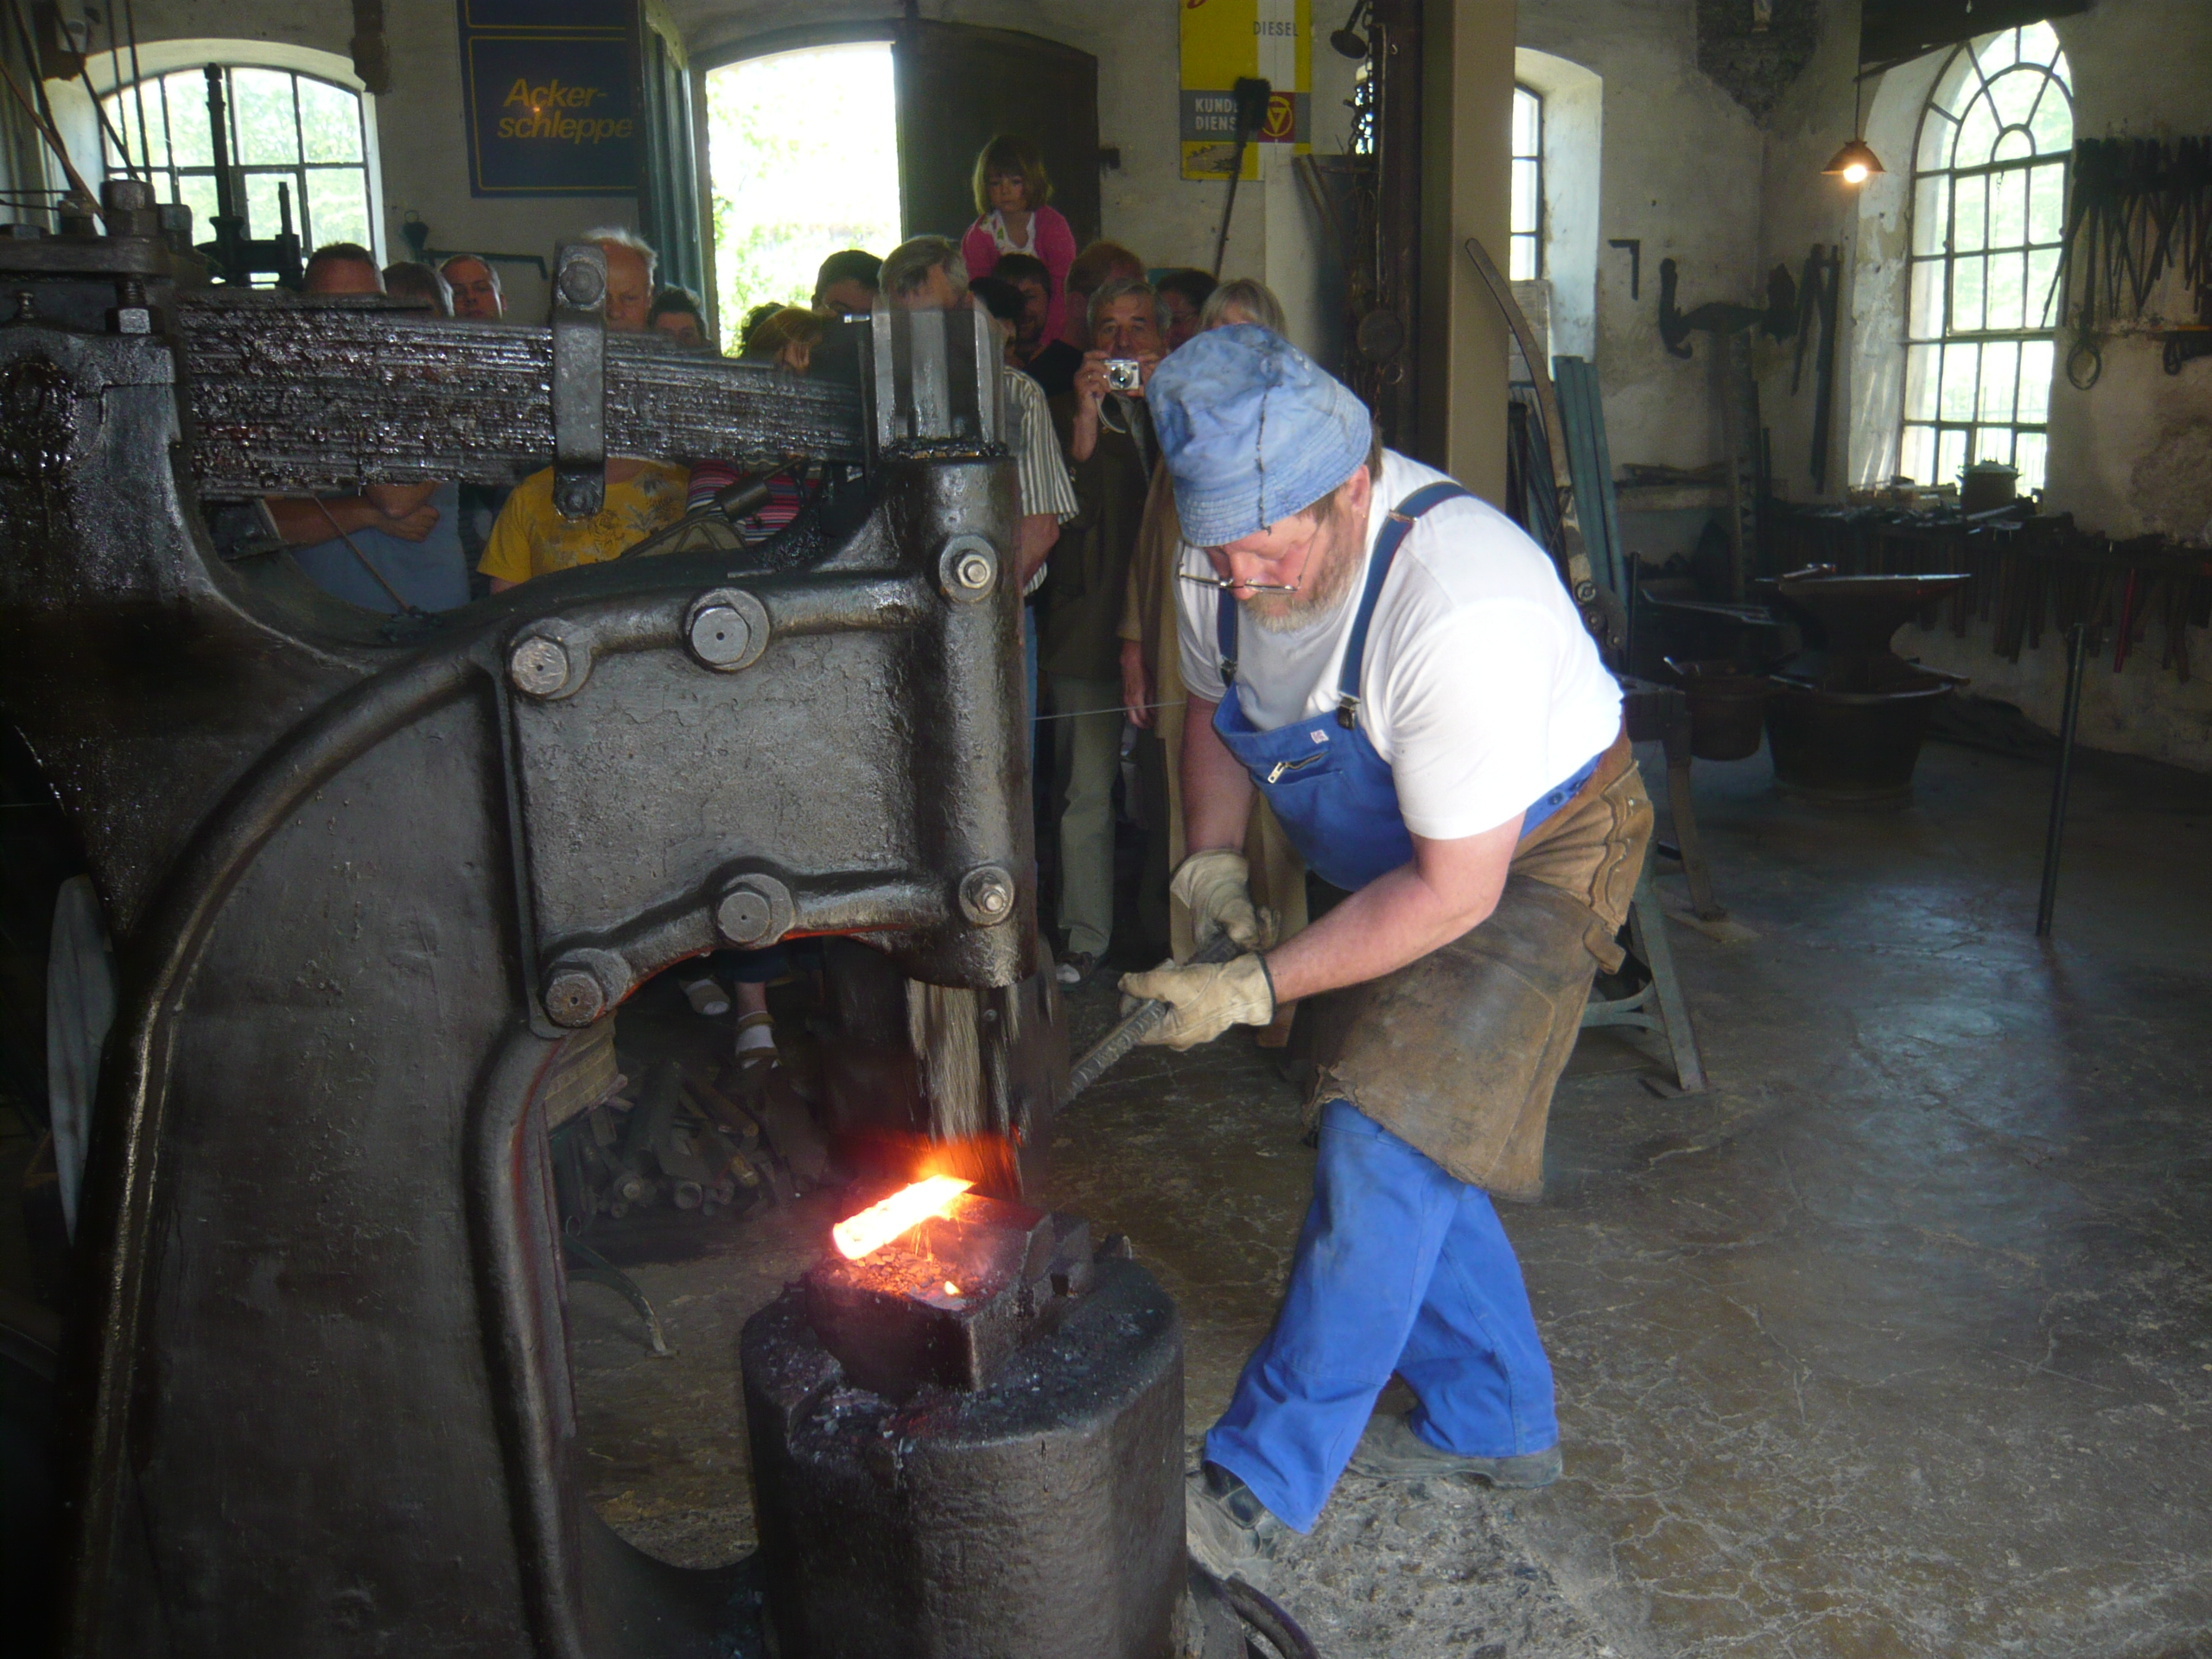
x: 266, y: 133
x: 805, y: 161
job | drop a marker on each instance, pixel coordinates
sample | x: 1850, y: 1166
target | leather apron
x: 1456, y: 1053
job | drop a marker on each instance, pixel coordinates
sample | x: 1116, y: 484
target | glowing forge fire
x: 878, y: 1224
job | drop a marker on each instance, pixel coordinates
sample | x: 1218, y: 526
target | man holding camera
x: 1107, y: 434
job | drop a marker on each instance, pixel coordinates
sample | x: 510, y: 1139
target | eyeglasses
x: 1249, y: 587
x: 1226, y: 583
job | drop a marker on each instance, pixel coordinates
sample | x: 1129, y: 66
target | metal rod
x: 99, y: 111
x: 1141, y: 1022
x: 138, y: 90
x: 1235, y: 174
x: 2077, y: 659
x: 366, y: 563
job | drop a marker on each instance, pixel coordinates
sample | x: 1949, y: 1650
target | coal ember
x: 950, y: 1300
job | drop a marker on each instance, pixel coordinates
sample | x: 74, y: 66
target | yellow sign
x: 1224, y: 41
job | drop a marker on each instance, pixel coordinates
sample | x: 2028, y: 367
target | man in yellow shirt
x: 643, y: 497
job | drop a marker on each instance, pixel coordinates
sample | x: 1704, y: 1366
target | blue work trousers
x: 1400, y: 1267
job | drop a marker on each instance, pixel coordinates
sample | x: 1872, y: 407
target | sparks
x: 951, y: 1289
x: 878, y: 1224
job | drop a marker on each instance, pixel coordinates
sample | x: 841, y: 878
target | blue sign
x: 551, y: 96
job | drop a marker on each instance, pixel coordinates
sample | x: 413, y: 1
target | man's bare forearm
x: 398, y: 501
x: 1033, y: 538
x: 1217, y: 790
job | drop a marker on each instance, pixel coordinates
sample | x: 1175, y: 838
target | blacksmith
x: 1397, y: 667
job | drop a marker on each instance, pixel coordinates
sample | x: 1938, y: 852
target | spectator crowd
x: 1098, y: 543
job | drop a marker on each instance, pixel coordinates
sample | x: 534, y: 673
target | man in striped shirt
x: 928, y: 274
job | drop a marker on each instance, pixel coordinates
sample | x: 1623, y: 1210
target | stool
x: 1647, y: 933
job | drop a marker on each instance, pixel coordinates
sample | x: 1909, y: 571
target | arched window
x: 1525, y: 263
x: 297, y: 144
x: 1988, y: 217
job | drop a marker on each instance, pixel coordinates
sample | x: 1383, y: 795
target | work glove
x: 1206, y: 998
x: 1216, y: 884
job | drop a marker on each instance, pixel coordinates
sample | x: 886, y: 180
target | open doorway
x: 805, y: 147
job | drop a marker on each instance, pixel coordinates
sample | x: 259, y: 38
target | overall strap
x: 1395, y: 526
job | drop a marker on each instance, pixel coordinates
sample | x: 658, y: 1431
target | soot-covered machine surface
x: 377, y: 886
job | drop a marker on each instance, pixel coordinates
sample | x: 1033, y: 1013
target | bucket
x: 1727, y: 703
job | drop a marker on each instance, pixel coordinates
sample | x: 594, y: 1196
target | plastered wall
x: 419, y: 128
x: 2133, y: 454
x: 1679, y: 171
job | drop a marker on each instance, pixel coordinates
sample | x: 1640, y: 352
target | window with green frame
x: 284, y: 128
x: 1988, y: 221
x: 1525, y: 253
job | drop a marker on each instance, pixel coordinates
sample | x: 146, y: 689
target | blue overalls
x: 1400, y: 1267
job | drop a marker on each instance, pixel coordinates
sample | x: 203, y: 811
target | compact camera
x: 1122, y: 374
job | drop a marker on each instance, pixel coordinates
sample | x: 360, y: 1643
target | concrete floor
x: 1896, y: 1342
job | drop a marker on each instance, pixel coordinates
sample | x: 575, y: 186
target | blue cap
x: 1253, y: 431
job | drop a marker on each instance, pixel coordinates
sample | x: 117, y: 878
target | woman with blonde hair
x: 1240, y: 300
x: 1013, y: 192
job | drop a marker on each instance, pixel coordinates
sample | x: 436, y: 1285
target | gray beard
x: 1324, y: 589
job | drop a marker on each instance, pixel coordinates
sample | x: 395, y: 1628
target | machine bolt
x: 538, y: 666
x: 744, y: 915
x: 582, y: 284
x: 987, y: 895
x: 720, y: 636
x: 131, y: 315
x: 974, y: 570
x: 126, y: 195
x: 574, y: 998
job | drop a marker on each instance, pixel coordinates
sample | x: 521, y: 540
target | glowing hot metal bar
x: 879, y: 1223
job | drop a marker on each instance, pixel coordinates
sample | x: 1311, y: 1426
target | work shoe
x: 1076, y: 967
x: 1231, y: 1534
x: 1390, y: 1450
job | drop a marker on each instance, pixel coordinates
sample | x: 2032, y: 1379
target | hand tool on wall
x: 1633, y: 246
x: 1252, y: 97
x: 1809, y: 299
x: 1777, y: 316
x: 1831, y: 281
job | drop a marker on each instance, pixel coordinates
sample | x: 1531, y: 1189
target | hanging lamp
x: 1856, y: 162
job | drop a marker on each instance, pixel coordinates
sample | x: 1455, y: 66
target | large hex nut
x: 726, y: 629
x: 581, y: 985
x: 755, y: 909
x: 987, y: 895
x: 575, y: 997
x: 968, y: 569
x: 538, y: 666
x: 583, y: 283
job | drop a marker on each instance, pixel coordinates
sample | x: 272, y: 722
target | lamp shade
x: 1855, y: 162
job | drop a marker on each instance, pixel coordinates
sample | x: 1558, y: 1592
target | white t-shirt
x: 1004, y: 238
x: 1480, y: 688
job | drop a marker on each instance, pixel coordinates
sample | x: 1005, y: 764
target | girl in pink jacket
x: 1012, y: 189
